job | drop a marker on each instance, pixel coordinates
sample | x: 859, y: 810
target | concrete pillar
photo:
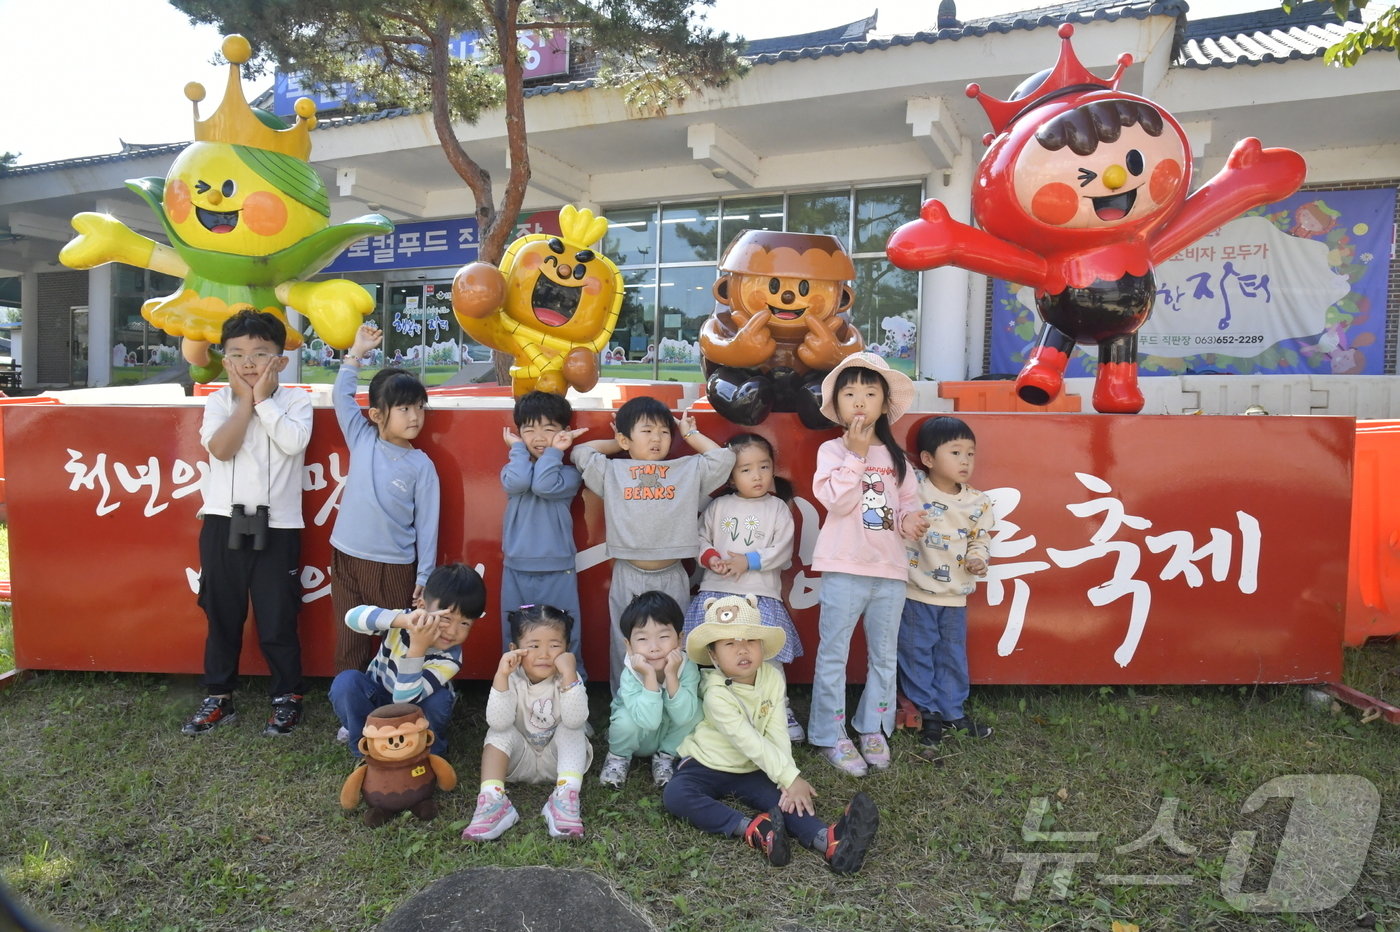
x: 99, y: 348
x: 29, y: 329
x: 950, y: 320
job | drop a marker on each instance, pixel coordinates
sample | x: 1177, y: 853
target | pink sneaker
x: 845, y: 757
x: 494, y: 814
x: 561, y: 814
x: 876, y: 751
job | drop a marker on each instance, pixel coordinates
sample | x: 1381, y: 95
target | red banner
x: 1146, y: 549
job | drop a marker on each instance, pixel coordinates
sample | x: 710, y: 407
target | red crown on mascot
x: 1069, y: 76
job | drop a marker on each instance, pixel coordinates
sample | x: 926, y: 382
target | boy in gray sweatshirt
x: 651, y: 505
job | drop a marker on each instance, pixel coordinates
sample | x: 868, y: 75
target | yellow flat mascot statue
x: 247, y: 218
x: 552, y: 305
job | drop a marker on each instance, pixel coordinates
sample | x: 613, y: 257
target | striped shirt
x: 408, y: 679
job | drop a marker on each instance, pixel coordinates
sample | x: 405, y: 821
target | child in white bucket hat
x: 872, y: 506
x: 741, y: 748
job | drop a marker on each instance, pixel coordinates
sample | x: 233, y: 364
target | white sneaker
x: 562, y: 813
x: 663, y: 768
x: 343, y: 735
x: 494, y: 814
x: 795, y: 731
x: 614, y: 771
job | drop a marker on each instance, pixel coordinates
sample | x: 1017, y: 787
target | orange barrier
x: 1373, y: 572
x: 208, y: 388
x: 672, y: 393
x: 999, y: 395
x: 469, y: 391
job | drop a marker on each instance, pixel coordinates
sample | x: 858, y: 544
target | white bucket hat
x: 899, y: 396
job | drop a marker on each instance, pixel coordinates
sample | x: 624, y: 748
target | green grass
x: 112, y: 820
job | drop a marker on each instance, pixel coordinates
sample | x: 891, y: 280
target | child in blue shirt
x: 537, y: 535
x: 420, y: 654
x: 657, y: 703
x: 384, y: 543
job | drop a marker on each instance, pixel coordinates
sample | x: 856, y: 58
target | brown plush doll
x: 398, y: 772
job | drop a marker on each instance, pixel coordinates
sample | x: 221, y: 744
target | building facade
x: 843, y: 132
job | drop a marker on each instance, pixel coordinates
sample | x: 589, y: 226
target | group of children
x: 898, y: 551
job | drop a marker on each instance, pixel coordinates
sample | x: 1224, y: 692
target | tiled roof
x: 1077, y: 11
x: 836, y: 35
x: 128, y: 152
x: 1263, y: 36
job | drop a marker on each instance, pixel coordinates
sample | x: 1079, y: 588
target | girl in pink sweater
x: 872, y: 506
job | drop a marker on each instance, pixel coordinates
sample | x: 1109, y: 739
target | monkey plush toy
x: 398, y: 771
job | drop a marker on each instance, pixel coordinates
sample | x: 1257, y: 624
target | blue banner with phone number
x: 1297, y: 286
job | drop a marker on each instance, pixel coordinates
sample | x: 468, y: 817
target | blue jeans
x: 844, y: 599
x: 694, y: 793
x: 933, y: 657
x: 355, y: 694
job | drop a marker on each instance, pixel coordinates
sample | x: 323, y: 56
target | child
x: 537, y: 536
x: 535, y: 716
x: 650, y: 505
x: 933, y: 630
x: 871, y: 500
x: 746, y: 543
x: 384, y: 543
x: 256, y: 433
x: 420, y: 654
x: 656, y: 704
x: 741, y: 748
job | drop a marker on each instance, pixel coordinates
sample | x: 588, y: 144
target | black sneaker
x: 931, y: 731
x: 849, y: 839
x: 768, y: 833
x: 966, y: 726
x: 213, y: 712
x: 286, y: 713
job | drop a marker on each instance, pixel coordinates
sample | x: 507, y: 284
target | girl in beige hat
x: 872, y: 507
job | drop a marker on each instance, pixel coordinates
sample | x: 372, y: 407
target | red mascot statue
x: 1082, y: 191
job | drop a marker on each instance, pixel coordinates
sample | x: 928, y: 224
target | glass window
x: 631, y: 237
x: 624, y: 357
x: 689, y: 232
x: 670, y: 277
x: 886, y: 311
x: 880, y: 211
x: 823, y: 213
x: 139, y: 350
x: 750, y: 213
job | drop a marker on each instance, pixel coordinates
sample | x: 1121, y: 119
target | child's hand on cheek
x: 266, y: 384
x: 674, y: 661
x: 510, y: 436
x: 567, y: 665
x: 644, y: 671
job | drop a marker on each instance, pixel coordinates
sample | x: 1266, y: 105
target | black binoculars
x: 241, y: 525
